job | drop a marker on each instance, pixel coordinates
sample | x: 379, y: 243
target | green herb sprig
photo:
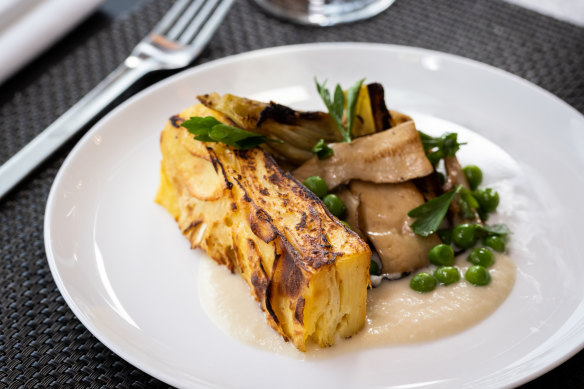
x: 209, y: 129
x: 429, y: 215
x: 336, y: 106
x: 437, y: 148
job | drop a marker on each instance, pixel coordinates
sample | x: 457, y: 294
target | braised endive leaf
x: 209, y: 129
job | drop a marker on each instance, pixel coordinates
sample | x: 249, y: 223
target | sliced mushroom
x: 455, y: 177
x: 380, y: 113
x: 454, y: 174
x: 301, y: 130
x: 390, y: 156
x: 383, y: 218
x: 352, y: 202
x: 383, y: 117
x: 430, y: 186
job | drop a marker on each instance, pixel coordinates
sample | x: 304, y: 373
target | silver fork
x: 175, y: 42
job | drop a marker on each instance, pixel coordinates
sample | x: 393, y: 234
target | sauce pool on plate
x: 396, y: 314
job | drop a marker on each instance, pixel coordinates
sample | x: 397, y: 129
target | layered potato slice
x: 307, y: 270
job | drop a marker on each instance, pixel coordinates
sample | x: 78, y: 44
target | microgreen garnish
x: 209, y: 129
x: 437, y: 148
x: 336, y: 106
x: 430, y: 214
x: 322, y: 150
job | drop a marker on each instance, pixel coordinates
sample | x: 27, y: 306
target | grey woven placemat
x: 42, y: 344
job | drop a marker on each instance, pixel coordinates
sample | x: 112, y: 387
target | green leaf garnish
x: 322, y: 150
x: 336, y: 107
x: 209, y: 129
x: 352, y: 97
x: 437, y: 148
x: 429, y: 215
x: 496, y: 229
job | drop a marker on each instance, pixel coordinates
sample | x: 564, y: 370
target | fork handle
x: 71, y: 122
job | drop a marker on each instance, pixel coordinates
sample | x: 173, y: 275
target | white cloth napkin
x: 571, y: 11
x: 27, y: 27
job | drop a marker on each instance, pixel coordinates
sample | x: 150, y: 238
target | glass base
x: 324, y: 12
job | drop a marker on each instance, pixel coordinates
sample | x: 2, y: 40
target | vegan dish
x: 314, y: 209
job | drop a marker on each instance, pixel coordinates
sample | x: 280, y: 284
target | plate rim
x: 249, y: 55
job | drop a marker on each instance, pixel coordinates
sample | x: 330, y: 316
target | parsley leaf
x: 429, y: 215
x: 336, y: 107
x: 322, y: 150
x: 209, y: 129
x: 437, y: 148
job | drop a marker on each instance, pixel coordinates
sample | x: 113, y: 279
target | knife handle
x: 71, y: 122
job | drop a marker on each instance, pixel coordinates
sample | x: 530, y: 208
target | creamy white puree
x: 395, y: 313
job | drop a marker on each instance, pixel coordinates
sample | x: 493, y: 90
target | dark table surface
x: 42, y: 344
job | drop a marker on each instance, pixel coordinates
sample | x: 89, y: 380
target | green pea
x: 447, y: 275
x: 495, y: 242
x: 423, y: 282
x: 468, y: 198
x: 441, y: 255
x: 445, y: 235
x: 474, y: 176
x: 466, y: 211
x: 335, y: 205
x: 374, y: 268
x: 316, y: 185
x: 464, y: 236
x: 488, y: 199
x: 477, y: 275
x: 481, y: 256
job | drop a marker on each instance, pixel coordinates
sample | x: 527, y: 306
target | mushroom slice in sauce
x: 391, y: 156
x: 383, y: 218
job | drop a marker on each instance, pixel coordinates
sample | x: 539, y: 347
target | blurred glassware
x: 324, y: 12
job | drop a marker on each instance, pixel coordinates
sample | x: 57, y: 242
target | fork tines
x: 190, y: 19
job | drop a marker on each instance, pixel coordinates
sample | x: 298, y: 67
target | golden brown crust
x: 254, y: 218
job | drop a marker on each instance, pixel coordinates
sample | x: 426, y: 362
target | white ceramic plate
x: 130, y: 277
